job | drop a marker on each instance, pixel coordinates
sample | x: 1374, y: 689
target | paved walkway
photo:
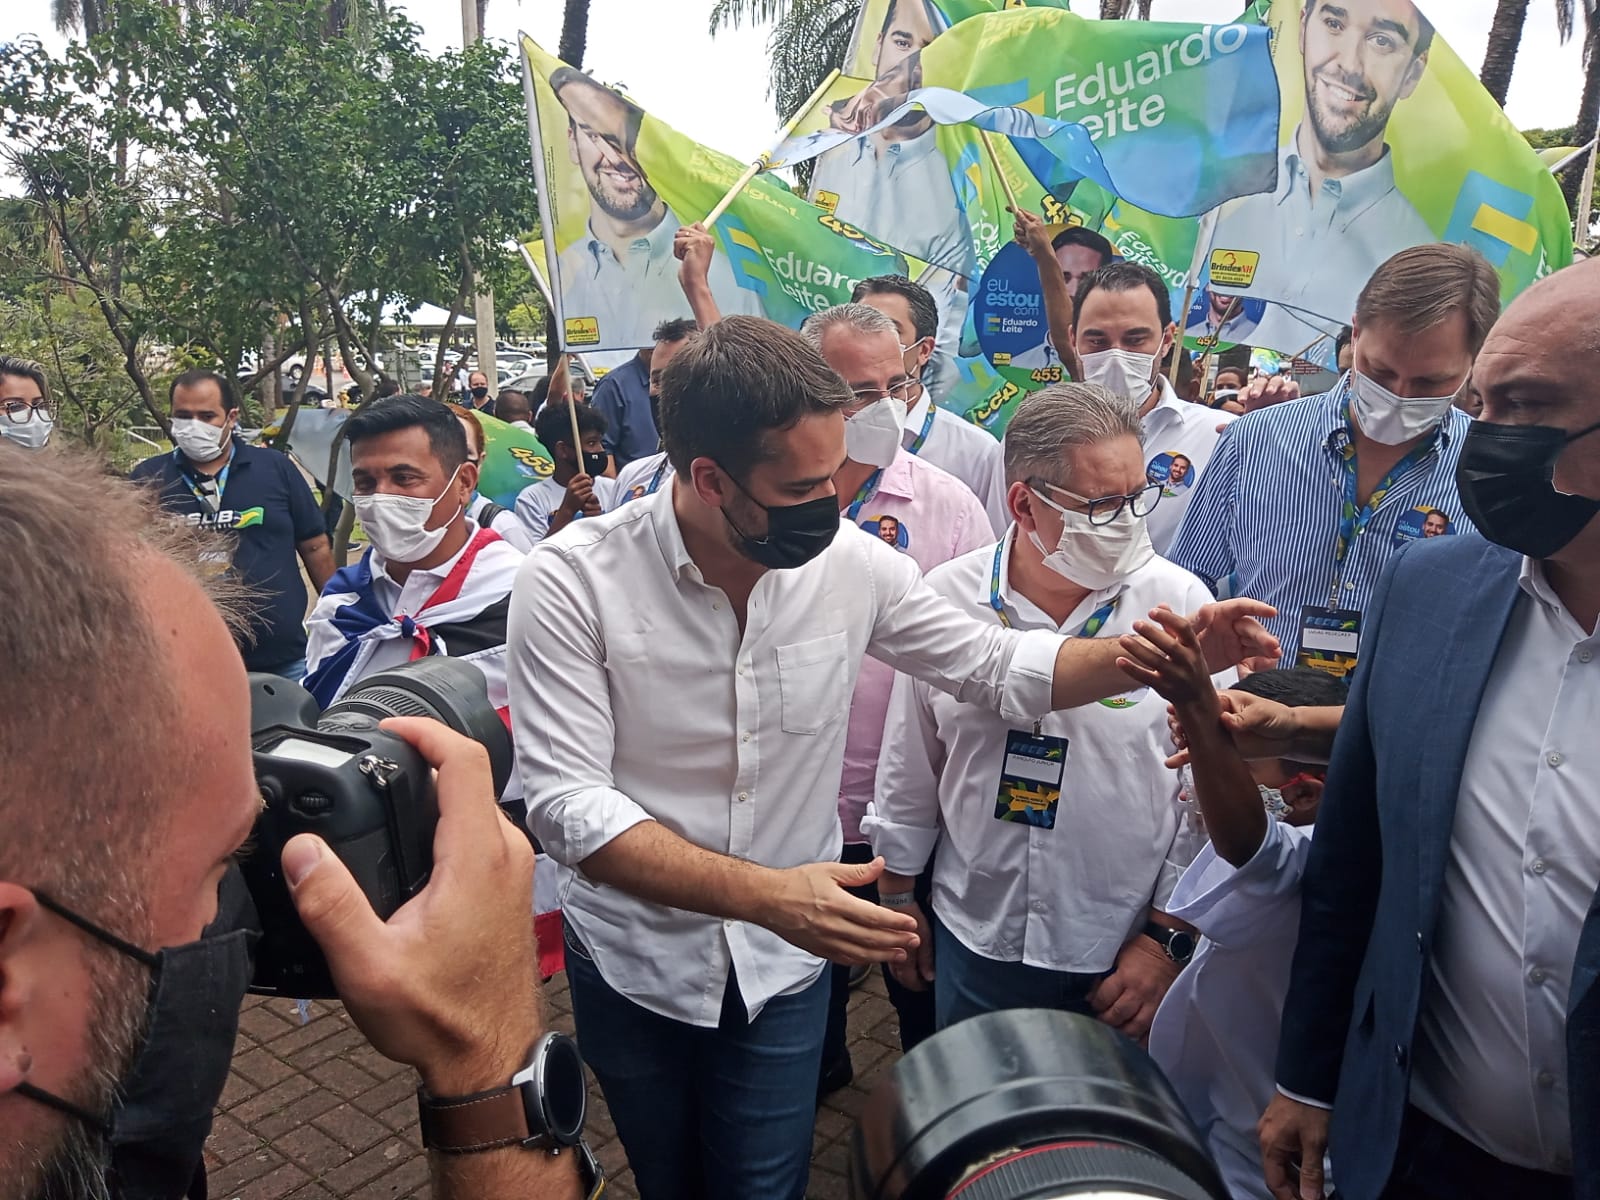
x: 312, y: 1112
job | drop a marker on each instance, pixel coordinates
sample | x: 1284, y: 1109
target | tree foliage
x: 217, y: 183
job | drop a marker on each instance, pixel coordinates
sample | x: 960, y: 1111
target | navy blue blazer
x: 1373, y: 881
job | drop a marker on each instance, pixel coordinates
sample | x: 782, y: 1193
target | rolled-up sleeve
x: 919, y: 632
x: 903, y: 819
x: 561, y: 710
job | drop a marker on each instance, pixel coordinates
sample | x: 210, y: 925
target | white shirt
x: 653, y: 706
x: 1215, y: 1034
x: 1176, y: 427
x: 1491, y: 1056
x: 642, y: 477
x: 505, y: 523
x: 538, y: 500
x: 961, y: 449
x: 1065, y: 899
x: 1317, y: 251
x: 629, y: 298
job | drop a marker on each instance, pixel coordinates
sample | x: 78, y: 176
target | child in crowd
x: 1216, y: 1033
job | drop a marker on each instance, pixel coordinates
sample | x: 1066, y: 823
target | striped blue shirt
x: 1267, y: 510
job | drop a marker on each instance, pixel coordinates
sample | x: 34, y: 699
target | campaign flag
x: 1424, y: 154
x: 615, y: 185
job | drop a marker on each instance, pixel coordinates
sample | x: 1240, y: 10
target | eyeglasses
x: 20, y: 412
x: 1104, y: 509
x: 900, y: 391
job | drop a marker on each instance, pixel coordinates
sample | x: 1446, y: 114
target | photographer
x: 116, y: 844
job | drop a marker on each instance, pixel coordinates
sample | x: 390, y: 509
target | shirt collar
x: 664, y: 517
x: 380, y: 566
x: 898, y: 477
x: 1170, y: 404
x: 658, y: 242
x: 918, y: 414
x: 1355, y: 191
x: 1025, y: 610
x: 1534, y: 582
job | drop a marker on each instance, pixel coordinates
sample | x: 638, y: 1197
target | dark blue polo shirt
x: 266, y: 510
x: 623, y: 396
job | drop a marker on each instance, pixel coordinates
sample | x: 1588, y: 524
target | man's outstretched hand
x: 1230, y: 632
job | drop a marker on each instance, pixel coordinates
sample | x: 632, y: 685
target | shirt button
x: 1545, y: 1079
x: 1038, y: 906
x: 744, y: 737
x: 743, y: 796
x: 741, y: 669
x: 1585, y: 655
x: 1555, y: 759
x: 1400, y: 1056
x: 1536, y: 975
x: 716, y: 606
x: 1538, y: 866
x: 1421, y: 946
x: 1349, y: 587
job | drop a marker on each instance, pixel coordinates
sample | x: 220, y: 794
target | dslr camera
x: 368, y: 794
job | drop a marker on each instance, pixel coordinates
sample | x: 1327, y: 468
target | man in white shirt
x: 579, y: 486
x: 1058, y: 840
x: 684, y: 749
x: 1337, y: 212
x: 432, y: 581
x: 644, y: 476
x: 621, y: 271
x: 909, y: 504
x: 964, y: 450
x: 1443, y: 996
x: 1122, y: 330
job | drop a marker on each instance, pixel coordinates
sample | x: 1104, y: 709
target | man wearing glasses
x: 882, y: 486
x: 1060, y: 841
x: 25, y: 416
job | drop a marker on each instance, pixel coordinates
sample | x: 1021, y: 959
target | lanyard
x: 922, y: 434
x: 655, y: 480
x: 212, y: 503
x: 1354, y: 519
x: 865, y: 494
x: 1091, y: 628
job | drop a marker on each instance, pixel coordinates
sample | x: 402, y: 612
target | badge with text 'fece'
x: 1030, y: 779
x: 1330, y: 640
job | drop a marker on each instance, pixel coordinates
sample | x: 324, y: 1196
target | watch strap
x: 1164, y: 936
x: 467, y: 1124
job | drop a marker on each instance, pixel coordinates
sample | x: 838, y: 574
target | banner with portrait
x: 615, y: 185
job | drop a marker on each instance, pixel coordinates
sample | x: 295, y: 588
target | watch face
x: 1181, y: 945
x: 564, y: 1092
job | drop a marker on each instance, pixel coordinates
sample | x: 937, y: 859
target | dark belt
x: 1434, y: 1161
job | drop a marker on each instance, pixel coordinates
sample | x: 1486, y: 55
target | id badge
x: 1330, y: 640
x: 1030, y: 779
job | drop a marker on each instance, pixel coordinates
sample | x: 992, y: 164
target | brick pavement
x: 311, y: 1112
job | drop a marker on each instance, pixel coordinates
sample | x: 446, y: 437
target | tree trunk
x: 574, y: 33
x: 1114, y: 10
x: 1588, y: 120
x: 1505, y: 36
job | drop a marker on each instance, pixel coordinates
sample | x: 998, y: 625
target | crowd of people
x: 1258, y: 727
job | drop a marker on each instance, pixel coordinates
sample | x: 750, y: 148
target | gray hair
x: 857, y: 318
x: 1063, y: 415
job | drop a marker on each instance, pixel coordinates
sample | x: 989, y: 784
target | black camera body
x: 367, y: 793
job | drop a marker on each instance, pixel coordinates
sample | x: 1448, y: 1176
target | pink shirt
x: 933, y: 517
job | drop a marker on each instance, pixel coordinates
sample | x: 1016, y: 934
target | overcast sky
x: 714, y: 89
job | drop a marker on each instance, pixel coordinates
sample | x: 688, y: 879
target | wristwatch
x: 1178, y: 943
x: 542, y: 1108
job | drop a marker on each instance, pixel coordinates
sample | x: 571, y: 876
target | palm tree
x: 1117, y: 10
x: 809, y: 38
x: 1588, y: 107
x: 1505, y: 38
x: 574, y: 33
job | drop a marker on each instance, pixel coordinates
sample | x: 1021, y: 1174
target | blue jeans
x: 971, y: 985
x: 718, y: 1114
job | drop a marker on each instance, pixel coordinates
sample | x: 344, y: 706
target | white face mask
x: 32, y: 434
x: 1096, y: 556
x: 395, y: 525
x: 199, y: 442
x: 1390, y: 419
x: 1122, y: 373
x: 872, y: 436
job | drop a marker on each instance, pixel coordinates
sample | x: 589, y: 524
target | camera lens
x: 1028, y: 1104
x: 446, y: 689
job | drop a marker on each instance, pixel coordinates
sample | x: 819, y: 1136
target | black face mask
x: 158, y: 1126
x: 478, y: 393
x: 594, y: 465
x: 796, y: 533
x: 1504, y: 478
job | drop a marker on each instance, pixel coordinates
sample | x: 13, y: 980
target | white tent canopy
x: 424, y: 316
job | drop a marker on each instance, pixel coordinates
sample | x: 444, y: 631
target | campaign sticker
x: 583, y: 331
x: 1422, y: 522
x: 888, y: 529
x: 1234, y: 268
x: 1173, y: 471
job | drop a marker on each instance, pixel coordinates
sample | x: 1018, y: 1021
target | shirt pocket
x: 811, y: 683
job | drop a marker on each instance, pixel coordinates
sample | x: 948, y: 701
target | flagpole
x: 1580, y: 228
x: 1202, y: 252
x: 994, y: 159
x: 761, y: 162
